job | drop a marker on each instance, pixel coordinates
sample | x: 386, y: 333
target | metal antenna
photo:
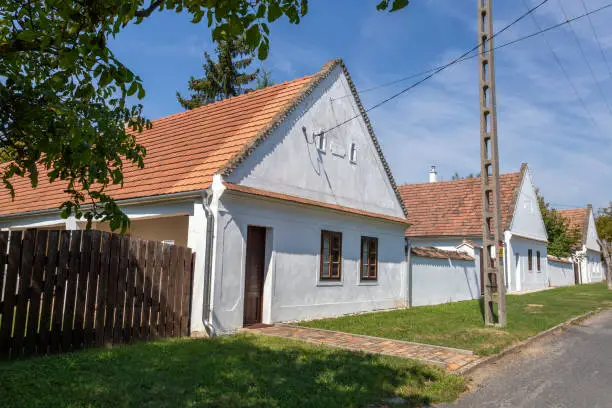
x: 494, y: 287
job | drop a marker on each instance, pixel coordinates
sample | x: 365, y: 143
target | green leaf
x: 262, y: 51
x: 274, y: 11
x: 132, y: 89
x: 27, y: 35
x: 105, y: 79
x: 141, y: 91
x: 399, y: 4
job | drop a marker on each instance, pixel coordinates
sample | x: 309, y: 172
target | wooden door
x: 254, y: 275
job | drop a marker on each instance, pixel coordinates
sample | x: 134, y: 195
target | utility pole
x: 494, y: 287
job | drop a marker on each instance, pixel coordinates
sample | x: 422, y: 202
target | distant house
x: 587, y: 255
x: 291, y: 216
x: 448, y: 215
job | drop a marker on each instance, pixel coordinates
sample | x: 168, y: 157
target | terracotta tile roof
x: 577, y: 218
x: 454, y: 208
x: 468, y: 242
x: 299, y: 200
x: 185, y: 150
x: 560, y: 260
x: 431, y: 252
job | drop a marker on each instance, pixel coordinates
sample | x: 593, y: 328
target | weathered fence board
x: 66, y: 290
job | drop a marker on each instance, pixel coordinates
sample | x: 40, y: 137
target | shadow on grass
x: 238, y: 371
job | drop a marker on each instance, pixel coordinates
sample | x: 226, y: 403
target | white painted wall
x: 292, y: 290
x: 436, y: 281
x: 522, y: 279
x: 289, y: 162
x: 560, y: 273
x: 592, y: 238
x: 172, y: 228
x: 591, y: 267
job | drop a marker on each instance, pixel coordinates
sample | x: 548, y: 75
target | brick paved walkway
x: 453, y: 360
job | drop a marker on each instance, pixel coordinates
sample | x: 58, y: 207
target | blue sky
x: 541, y: 119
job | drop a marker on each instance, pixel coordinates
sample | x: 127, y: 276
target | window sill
x: 368, y: 283
x: 329, y: 283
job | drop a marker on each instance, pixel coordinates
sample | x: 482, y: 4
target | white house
x: 447, y: 215
x: 587, y: 256
x: 283, y: 193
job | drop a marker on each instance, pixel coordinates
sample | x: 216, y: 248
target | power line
x: 585, y: 58
x: 603, y: 54
x: 558, y: 61
x: 442, y: 68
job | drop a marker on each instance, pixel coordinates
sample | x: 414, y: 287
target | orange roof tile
x: 454, y: 208
x: 577, y: 218
x: 184, y: 150
x: 431, y: 252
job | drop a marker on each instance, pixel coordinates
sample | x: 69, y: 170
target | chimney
x: 433, y: 174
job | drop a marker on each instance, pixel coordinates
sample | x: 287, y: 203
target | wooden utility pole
x: 492, y: 234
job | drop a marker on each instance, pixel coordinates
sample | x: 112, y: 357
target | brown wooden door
x: 254, y: 274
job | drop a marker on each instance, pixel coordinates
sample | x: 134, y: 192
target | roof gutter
x: 125, y: 202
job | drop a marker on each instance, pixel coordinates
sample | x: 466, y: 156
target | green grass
x: 460, y: 324
x: 237, y: 371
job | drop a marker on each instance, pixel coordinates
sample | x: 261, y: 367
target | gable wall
x: 591, y: 239
x: 289, y: 162
x: 527, y: 220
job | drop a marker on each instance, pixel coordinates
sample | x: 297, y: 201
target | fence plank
x: 60, y: 290
x: 81, y: 295
x: 186, y: 291
x: 148, y: 285
x: 172, y: 287
x: 163, y: 290
x: 71, y: 290
x: 50, y: 279
x: 155, y: 280
x: 4, y: 239
x: 139, y: 288
x: 130, y: 290
x: 111, y: 289
x: 105, y: 249
x: 92, y: 288
x: 23, y: 288
x: 36, y: 290
x: 119, y: 335
x: 10, y: 285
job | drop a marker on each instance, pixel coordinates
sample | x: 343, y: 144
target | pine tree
x: 224, y: 78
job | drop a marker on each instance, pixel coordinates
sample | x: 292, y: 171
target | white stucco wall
x: 292, y: 290
x: 436, y: 281
x: 289, y: 162
x: 591, y: 237
x: 527, y: 219
x: 560, y: 273
x: 517, y: 263
x: 591, y: 268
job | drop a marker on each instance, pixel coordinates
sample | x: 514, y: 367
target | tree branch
x: 149, y: 10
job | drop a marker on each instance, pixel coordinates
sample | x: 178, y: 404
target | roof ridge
x: 471, y: 179
x: 225, y: 101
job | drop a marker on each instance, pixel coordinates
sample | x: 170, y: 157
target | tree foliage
x: 64, y: 107
x: 264, y: 79
x: 456, y: 176
x: 224, y: 77
x: 603, y: 222
x: 562, y: 238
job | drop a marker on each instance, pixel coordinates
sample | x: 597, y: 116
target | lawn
x: 460, y: 324
x: 237, y: 371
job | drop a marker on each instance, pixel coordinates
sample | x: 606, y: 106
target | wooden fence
x: 65, y: 290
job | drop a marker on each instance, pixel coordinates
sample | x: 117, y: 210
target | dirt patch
x: 534, y: 308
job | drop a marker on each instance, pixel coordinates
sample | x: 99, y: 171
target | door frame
x: 264, y: 258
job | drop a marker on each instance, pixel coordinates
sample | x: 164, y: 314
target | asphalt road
x: 571, y: 369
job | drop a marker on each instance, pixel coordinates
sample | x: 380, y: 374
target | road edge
x: 469, y: 368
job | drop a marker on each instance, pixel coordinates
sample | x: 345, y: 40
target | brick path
x: 453, y: 360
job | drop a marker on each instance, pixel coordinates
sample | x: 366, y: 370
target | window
x: 530, y: 260
x: 369, y: 258
x: 538, y: 260
x: 320, y: 141
x: 353, y: 153
x: 331, y: 255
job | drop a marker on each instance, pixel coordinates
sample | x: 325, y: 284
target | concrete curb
x: 468, y: 368
x: 454, y: 350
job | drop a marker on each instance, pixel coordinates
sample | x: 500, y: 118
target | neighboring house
x: 448, y: 215
x: 287, y: 222
x: 587, y: 255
